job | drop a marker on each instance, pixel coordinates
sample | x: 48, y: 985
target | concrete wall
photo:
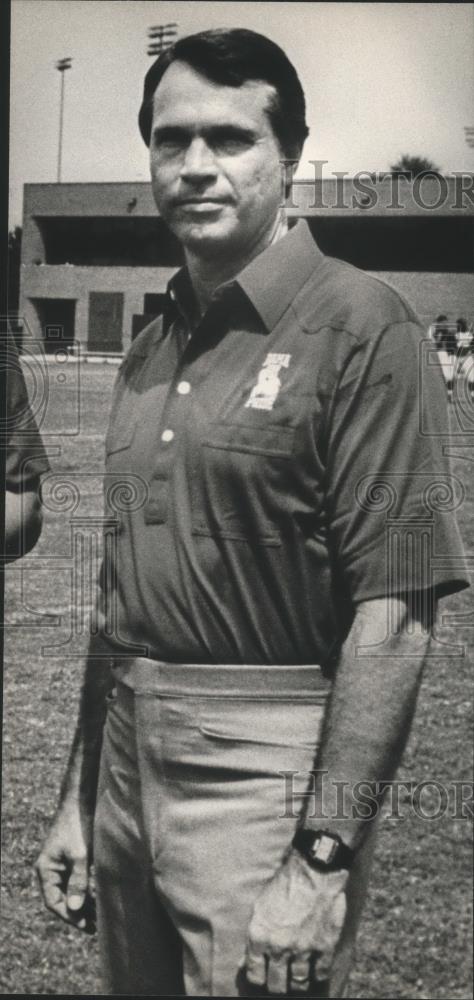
x: 88, y: 199
x: 69, y: 282
x: 430, y: 293
x: 40, y: 280
x: 348, y: 196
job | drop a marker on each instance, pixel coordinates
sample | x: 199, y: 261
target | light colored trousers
x: 194, y: 816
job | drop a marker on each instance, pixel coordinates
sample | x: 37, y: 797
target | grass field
x: 415, y: 941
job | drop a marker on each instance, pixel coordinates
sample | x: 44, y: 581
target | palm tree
x: 413, y: 166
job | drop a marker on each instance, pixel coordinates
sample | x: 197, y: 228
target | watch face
x: 324, y: 849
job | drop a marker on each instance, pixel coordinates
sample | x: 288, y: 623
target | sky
x: 380, y: 79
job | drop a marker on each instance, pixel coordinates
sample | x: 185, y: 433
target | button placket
x: 172, y: 418
x: 156, y: 510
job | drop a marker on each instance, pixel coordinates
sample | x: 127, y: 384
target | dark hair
x: 231, y: 56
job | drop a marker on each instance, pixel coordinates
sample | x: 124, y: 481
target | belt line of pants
x: 193, y: 818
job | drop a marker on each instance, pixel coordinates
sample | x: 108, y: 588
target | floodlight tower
x: 161, y: 36
x: 62, y: 65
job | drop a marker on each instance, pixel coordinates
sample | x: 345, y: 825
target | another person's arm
x: 25, y: 461
x: 23, y: 522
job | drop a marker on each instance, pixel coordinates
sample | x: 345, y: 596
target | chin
x: 208, y: 237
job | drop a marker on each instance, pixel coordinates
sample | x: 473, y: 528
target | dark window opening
x: 105, y: 332
x: 393, y: 244
x: 139, y: 322
x: 110, y: 242
x: 154, y: 304
x: 56, y: 318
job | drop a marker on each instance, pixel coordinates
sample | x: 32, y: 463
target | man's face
x: 215, y: 161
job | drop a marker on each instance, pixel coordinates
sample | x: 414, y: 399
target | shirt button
x: 167, y: 435
x: 183, y: 388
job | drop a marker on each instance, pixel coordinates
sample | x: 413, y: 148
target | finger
x: 277, y: 974
x: 300, y: 972
x: 50, y: 881
x: 255, y: 966
x: 323, y: 965
x: 54, y: 899
x: 78, y: 884
x: 339, y: 912
x: 49, y: 870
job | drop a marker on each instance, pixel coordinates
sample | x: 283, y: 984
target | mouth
x: 201, y: 204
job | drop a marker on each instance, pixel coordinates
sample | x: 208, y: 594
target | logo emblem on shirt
x: 268, y: 385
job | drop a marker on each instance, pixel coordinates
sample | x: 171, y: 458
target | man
x: 266, y: 414
x: 25, y: 460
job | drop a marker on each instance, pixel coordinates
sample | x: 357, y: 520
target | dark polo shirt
x: 278, y: 465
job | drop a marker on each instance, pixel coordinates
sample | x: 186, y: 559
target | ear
x: 288, y: 167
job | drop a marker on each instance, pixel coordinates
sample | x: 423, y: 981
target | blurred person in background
x: 444, y: 336
x: 464, y: 337
x: 439, y: 331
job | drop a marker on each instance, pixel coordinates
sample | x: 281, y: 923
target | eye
x: 230, y: 142
x: 169, y: 142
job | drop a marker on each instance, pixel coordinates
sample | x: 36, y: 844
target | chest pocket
x: 240, y: 483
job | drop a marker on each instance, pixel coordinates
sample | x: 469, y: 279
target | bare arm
x: 80, y: 781
x: 301, y: 911
x: 64, y: 863
x: 370, y: 710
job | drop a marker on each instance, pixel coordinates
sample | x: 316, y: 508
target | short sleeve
x: 25, y: 456
x: 391, y: 494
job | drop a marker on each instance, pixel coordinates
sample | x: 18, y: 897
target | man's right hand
x: 64, y: 869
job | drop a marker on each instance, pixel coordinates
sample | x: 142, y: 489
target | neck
x: 207, y: 273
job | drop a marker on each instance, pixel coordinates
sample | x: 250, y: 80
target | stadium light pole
x: 161, y: 36
x: 62, y: 65
x: 469, y: 135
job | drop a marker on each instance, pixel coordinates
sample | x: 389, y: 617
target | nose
x: 199, y: 162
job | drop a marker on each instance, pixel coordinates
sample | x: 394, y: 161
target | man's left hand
x: 295, y: 926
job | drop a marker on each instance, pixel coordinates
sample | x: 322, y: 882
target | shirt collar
x: 180, y: 292
x: 270, y: 282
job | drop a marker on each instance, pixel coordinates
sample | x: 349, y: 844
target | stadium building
x: 96, y: 258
